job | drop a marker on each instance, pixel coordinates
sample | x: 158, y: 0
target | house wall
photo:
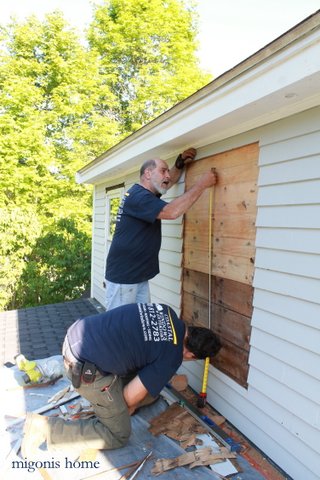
x: 280, y: 411
x: 219, y: 251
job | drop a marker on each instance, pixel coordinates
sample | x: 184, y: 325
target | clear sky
x: 230, y: 30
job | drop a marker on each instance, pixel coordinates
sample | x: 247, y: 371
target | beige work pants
x: 110, y: 428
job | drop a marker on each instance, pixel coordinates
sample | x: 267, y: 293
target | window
x: 114, y: 203
x: 114, y: 197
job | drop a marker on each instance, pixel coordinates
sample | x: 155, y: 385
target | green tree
x: 62, y: 104
x: 54, y: 118
x: 58, y: 266
x: 148, y: 53
x: 19, y: 231
x: 55, y: 113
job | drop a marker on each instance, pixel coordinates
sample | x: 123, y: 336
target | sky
x: 230, y: 30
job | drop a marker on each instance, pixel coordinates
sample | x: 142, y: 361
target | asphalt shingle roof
x: 38, y: 332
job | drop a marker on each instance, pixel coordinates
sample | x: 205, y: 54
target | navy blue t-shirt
x: 133, y: 254
x: 140, y: 338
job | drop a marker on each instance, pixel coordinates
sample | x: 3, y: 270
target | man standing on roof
x: 133, y: 256
x: 118, y: 360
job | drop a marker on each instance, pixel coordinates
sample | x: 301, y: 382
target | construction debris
x: 45, y: 408
x: 225, y: 468
x: 203, y: 457
x: 177, y: 423
x: 60, y: 394
x: 35, y: 372
x: 171, y: 394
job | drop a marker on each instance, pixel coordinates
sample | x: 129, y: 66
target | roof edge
x: 292, y: 35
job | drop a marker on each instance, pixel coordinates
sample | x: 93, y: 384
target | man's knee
x: 120, y: 440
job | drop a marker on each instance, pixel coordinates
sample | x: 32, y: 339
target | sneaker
x: 34, y: 434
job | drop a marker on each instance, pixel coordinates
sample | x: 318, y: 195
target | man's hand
x: 189, y: 154
x: 180, y: 205
x: 185, y: 157
x: 209, y: 178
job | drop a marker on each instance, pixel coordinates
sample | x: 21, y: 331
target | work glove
x: 183, y: 157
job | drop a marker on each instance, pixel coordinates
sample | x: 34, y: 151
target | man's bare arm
x: 133, y: 393
x: 186, y: 157
x: 181, y: 204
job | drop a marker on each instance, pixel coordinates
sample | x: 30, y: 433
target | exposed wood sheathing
x: 233, y: 251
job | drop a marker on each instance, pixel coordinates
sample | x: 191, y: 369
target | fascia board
x: 253, y: 96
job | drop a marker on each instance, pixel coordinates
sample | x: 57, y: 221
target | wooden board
x: 233, y: 232
x: 227, y: 293
x: 233, y: 361
x: 229, y: 325
x: 233, y: 216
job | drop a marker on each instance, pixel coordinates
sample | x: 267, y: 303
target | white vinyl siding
x: 98, y: 244
x: 280, y: 411
x: 166, y: 287
x: 284, y: 374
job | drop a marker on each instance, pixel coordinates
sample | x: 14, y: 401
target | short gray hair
x: 147, y: 164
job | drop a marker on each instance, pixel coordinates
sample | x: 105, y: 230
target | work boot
x: 34, y: 434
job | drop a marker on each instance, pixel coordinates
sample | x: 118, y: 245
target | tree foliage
x: 19, y: 230
x: 148, y: 52
x: 63, y: 103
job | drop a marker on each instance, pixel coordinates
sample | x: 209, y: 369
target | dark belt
x: 77, y: 370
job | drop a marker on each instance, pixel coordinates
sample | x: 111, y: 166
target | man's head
x: 155, y: 176
x: 200, y: 343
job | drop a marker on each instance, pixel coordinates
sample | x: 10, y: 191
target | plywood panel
x: 233, y: 361
x: 224, y: 292
x: 231, y: 162
x: 227, y: 258
x: 229, y: 325
x: 233, y: 216
x: 233, y: 330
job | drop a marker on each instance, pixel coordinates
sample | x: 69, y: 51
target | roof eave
x: 216, y: 106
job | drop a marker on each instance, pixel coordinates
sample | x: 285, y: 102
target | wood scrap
x: 174, y: 411
x: 201, y: 457
x: 82, y: 414
x: 59, y: 394
x: 178, y: 424
x: 189, y: 441
x: 215, y: 457
x: 109, y: 470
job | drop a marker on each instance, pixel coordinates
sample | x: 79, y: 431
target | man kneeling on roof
x: 118, y: 360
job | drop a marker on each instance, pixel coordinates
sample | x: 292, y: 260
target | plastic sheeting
x: 16, y: 401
